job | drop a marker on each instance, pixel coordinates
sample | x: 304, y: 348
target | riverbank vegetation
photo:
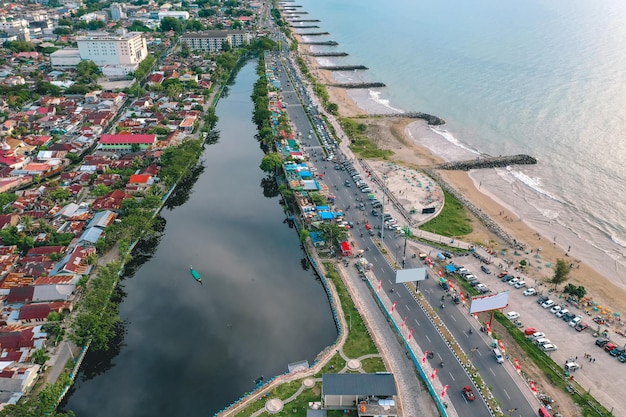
x: 360, y: 144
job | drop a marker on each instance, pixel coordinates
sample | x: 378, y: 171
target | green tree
x: 40, y: 356
x: 194, y: 25
x: 88, y: 71
x: 561, y: 273
x: 138, y: 26
x: 271, y: 162
x: 333, y: 233
x: 100, y: 190
x: 19, y: 46
x: 171, y: 24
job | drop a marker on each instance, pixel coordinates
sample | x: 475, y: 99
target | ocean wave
x: 375, y: 96
x: 617, y: 240
x: 547, y: 213
x: 450, y: 138
x: 533, y: 183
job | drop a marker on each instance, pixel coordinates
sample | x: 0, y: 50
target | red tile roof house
x: 125, y: 142
x: 139, y: 183
x: 111, y: 201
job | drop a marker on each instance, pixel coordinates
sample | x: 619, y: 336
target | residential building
x: 216, y: 40
x: 117, y: 12
x: 182, y: 15
x: 65, y: 58
x: 112, y: 49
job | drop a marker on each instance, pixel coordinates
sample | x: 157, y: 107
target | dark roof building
x: 371, y: 394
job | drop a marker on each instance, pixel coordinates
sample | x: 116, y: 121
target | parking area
x: 597, y: 370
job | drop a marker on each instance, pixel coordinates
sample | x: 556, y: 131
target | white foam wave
x: 375, y: 96
x: 534, y: 183
x: 547, y: 213
x: 617, y: 240
x: 450, y: 138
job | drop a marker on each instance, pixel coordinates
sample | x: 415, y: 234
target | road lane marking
x: 493, y: 373
x: 418, y: 323
x: 452, y: 317
x: 451, y: 376
x: 507, y: 394
x: 427, y: 338
x: 407, y: 307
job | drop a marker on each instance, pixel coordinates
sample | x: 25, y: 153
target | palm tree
x: 27, y: 223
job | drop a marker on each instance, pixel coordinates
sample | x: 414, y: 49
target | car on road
x: 555, y: 309
x: 468, y: 393
x: 530, y: 331
x: 549, y: 347
x: 547, y: 304
x: 561, y: 313
x: 574, y: 322
x: 512, y: 315
x: 520, y: 284
x: 530, y: 291
x: 374, y: 212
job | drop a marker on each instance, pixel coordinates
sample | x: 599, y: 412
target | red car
x: 368, y: 226
x: 529, y: 331
x: 581, y: 326
x: 468, y: 393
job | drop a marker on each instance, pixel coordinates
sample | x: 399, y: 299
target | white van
x: 542, y: 341
x: 498, y: 355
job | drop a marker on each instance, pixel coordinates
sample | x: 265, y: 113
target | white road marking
x: 451, y: 376
x: 418, y: 323
x: 452, y: 317
x: 493, y: 373
x: 427, y: 338
x: 507, y: 394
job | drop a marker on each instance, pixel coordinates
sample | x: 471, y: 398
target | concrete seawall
x: 488, y: 162
x: 357, y: 85
x: 432, y: 120
x: 342, y: 67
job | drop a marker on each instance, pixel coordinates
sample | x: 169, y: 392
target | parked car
x: 601, y: 342
x: 573, y: 322
x: 610, y: 346
x: 568, y: 316
x: 520, y: 284
x: 468, y: 393
x: 513, y: 281
x: 617, y: 351
x: 622, y: 357
x: 542, y: 300
x: 571, y: 366
x: 538, y: 335
x: 555, y: 309
x: 581, y: 326
x: 561, y: 313
x: 548, y: 347
x: 507, y: 278
x: 530, y: 331
x: 485, y: 269
x: 530, y: 291
x: 548, y: 304
x: 512, y: 315
x: 502, y: 274
x: 447, y: 255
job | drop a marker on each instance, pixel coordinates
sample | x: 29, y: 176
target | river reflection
x: 188, y: 349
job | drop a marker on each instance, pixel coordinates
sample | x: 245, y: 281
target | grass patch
x: 373, y: 365
x: 360, y: 143
x: 358, y: 342
x: 590, y: 407
x: 452, y: 221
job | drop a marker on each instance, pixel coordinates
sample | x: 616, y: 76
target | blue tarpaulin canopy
x: 451, y: 268
x: 326, y: 215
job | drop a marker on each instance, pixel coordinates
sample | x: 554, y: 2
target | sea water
x: 543, y: 78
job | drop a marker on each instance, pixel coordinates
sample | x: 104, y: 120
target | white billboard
x: 489, y: 302
x: 410, y: 275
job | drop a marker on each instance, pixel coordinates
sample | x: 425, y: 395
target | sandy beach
x: 409, y: 139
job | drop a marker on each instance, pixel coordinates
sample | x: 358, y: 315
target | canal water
x: 187, y: 349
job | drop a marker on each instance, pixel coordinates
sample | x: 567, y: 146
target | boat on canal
x: 195, y: 274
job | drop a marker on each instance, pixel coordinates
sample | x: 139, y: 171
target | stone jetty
x: 327, y: 53
x: 305, y: 27
x: 303, y: 20
x: 357, y: 85
x: 488, y: 162
x: 327, y: 43
x: 430, y: 119
x: 314, y: 34
x: 342, y: 67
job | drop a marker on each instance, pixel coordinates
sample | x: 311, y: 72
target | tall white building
x: 111, y: 49
x: 215, y: 40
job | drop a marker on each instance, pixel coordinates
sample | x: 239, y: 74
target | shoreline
x: 601, y: 288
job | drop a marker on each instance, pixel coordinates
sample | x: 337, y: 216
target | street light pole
x: 382, y: 215
x: 510, y: 410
